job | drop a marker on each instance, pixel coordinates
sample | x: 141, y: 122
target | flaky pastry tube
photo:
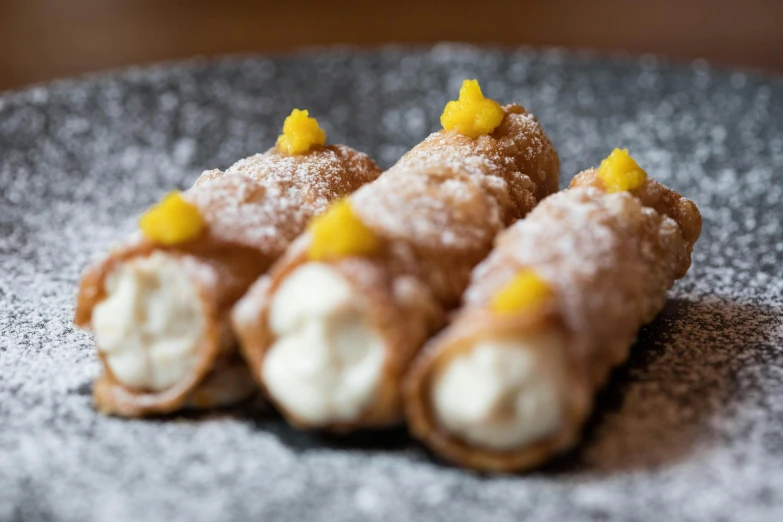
x: 329, y: 340
x: 505, y: 390
x: 159, y: 314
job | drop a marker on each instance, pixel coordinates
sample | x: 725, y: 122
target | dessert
x: 158, y: 305
x: 547, y: 316
x: 331, y: 331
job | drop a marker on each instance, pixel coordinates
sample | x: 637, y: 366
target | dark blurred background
x: 45, y: 39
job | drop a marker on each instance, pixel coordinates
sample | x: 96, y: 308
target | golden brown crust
x: 221, y: 274
x: 518, y: 151
x: 253, y: 211
x: 421, y: 419
x: 436, y: 213
x: 661, y: 198
x: 609, y: 260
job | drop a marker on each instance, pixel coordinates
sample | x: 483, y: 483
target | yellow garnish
x: 339, y: 233
x: 526, y: 291
x: 620, y: 172
x: 472, y: 115
x: 300, y: 133
x: 172, y: 221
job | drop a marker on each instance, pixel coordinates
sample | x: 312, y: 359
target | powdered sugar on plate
x: 690, y: 429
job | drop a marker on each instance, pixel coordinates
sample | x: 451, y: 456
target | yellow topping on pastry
x: 339, y: 233
x: 172, y: 221
x: 620, y: 172
x: 525, y: 292
x: 472, y: 115
x: 300, y: 133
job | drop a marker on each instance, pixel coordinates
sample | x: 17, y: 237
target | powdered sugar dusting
x: 458, y: 192
x: 520, y: 140
x: 608, y: 259
x: 440, y: 206
x: 265, y: 201
x: 688, y: 430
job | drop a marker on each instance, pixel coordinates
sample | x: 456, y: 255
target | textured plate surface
x: 690, y: 429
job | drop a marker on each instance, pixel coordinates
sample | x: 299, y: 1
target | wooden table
x: 45, y: 39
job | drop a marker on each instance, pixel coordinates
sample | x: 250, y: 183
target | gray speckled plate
x: 690, y: 429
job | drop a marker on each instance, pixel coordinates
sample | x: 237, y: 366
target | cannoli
x: 329, y: 334
x: 555, y: 306
x: 159, y: 304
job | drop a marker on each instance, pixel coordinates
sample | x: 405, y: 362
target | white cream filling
x: 150, y: 324
x: 502, y: 393
x: 327, y: 359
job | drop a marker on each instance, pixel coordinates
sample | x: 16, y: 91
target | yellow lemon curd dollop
x: 300, y: 133
x: 620, y: 172
x: 339, y: 233
x: 526, y: 291
x: 472, y: 115
x: 172, y: 221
